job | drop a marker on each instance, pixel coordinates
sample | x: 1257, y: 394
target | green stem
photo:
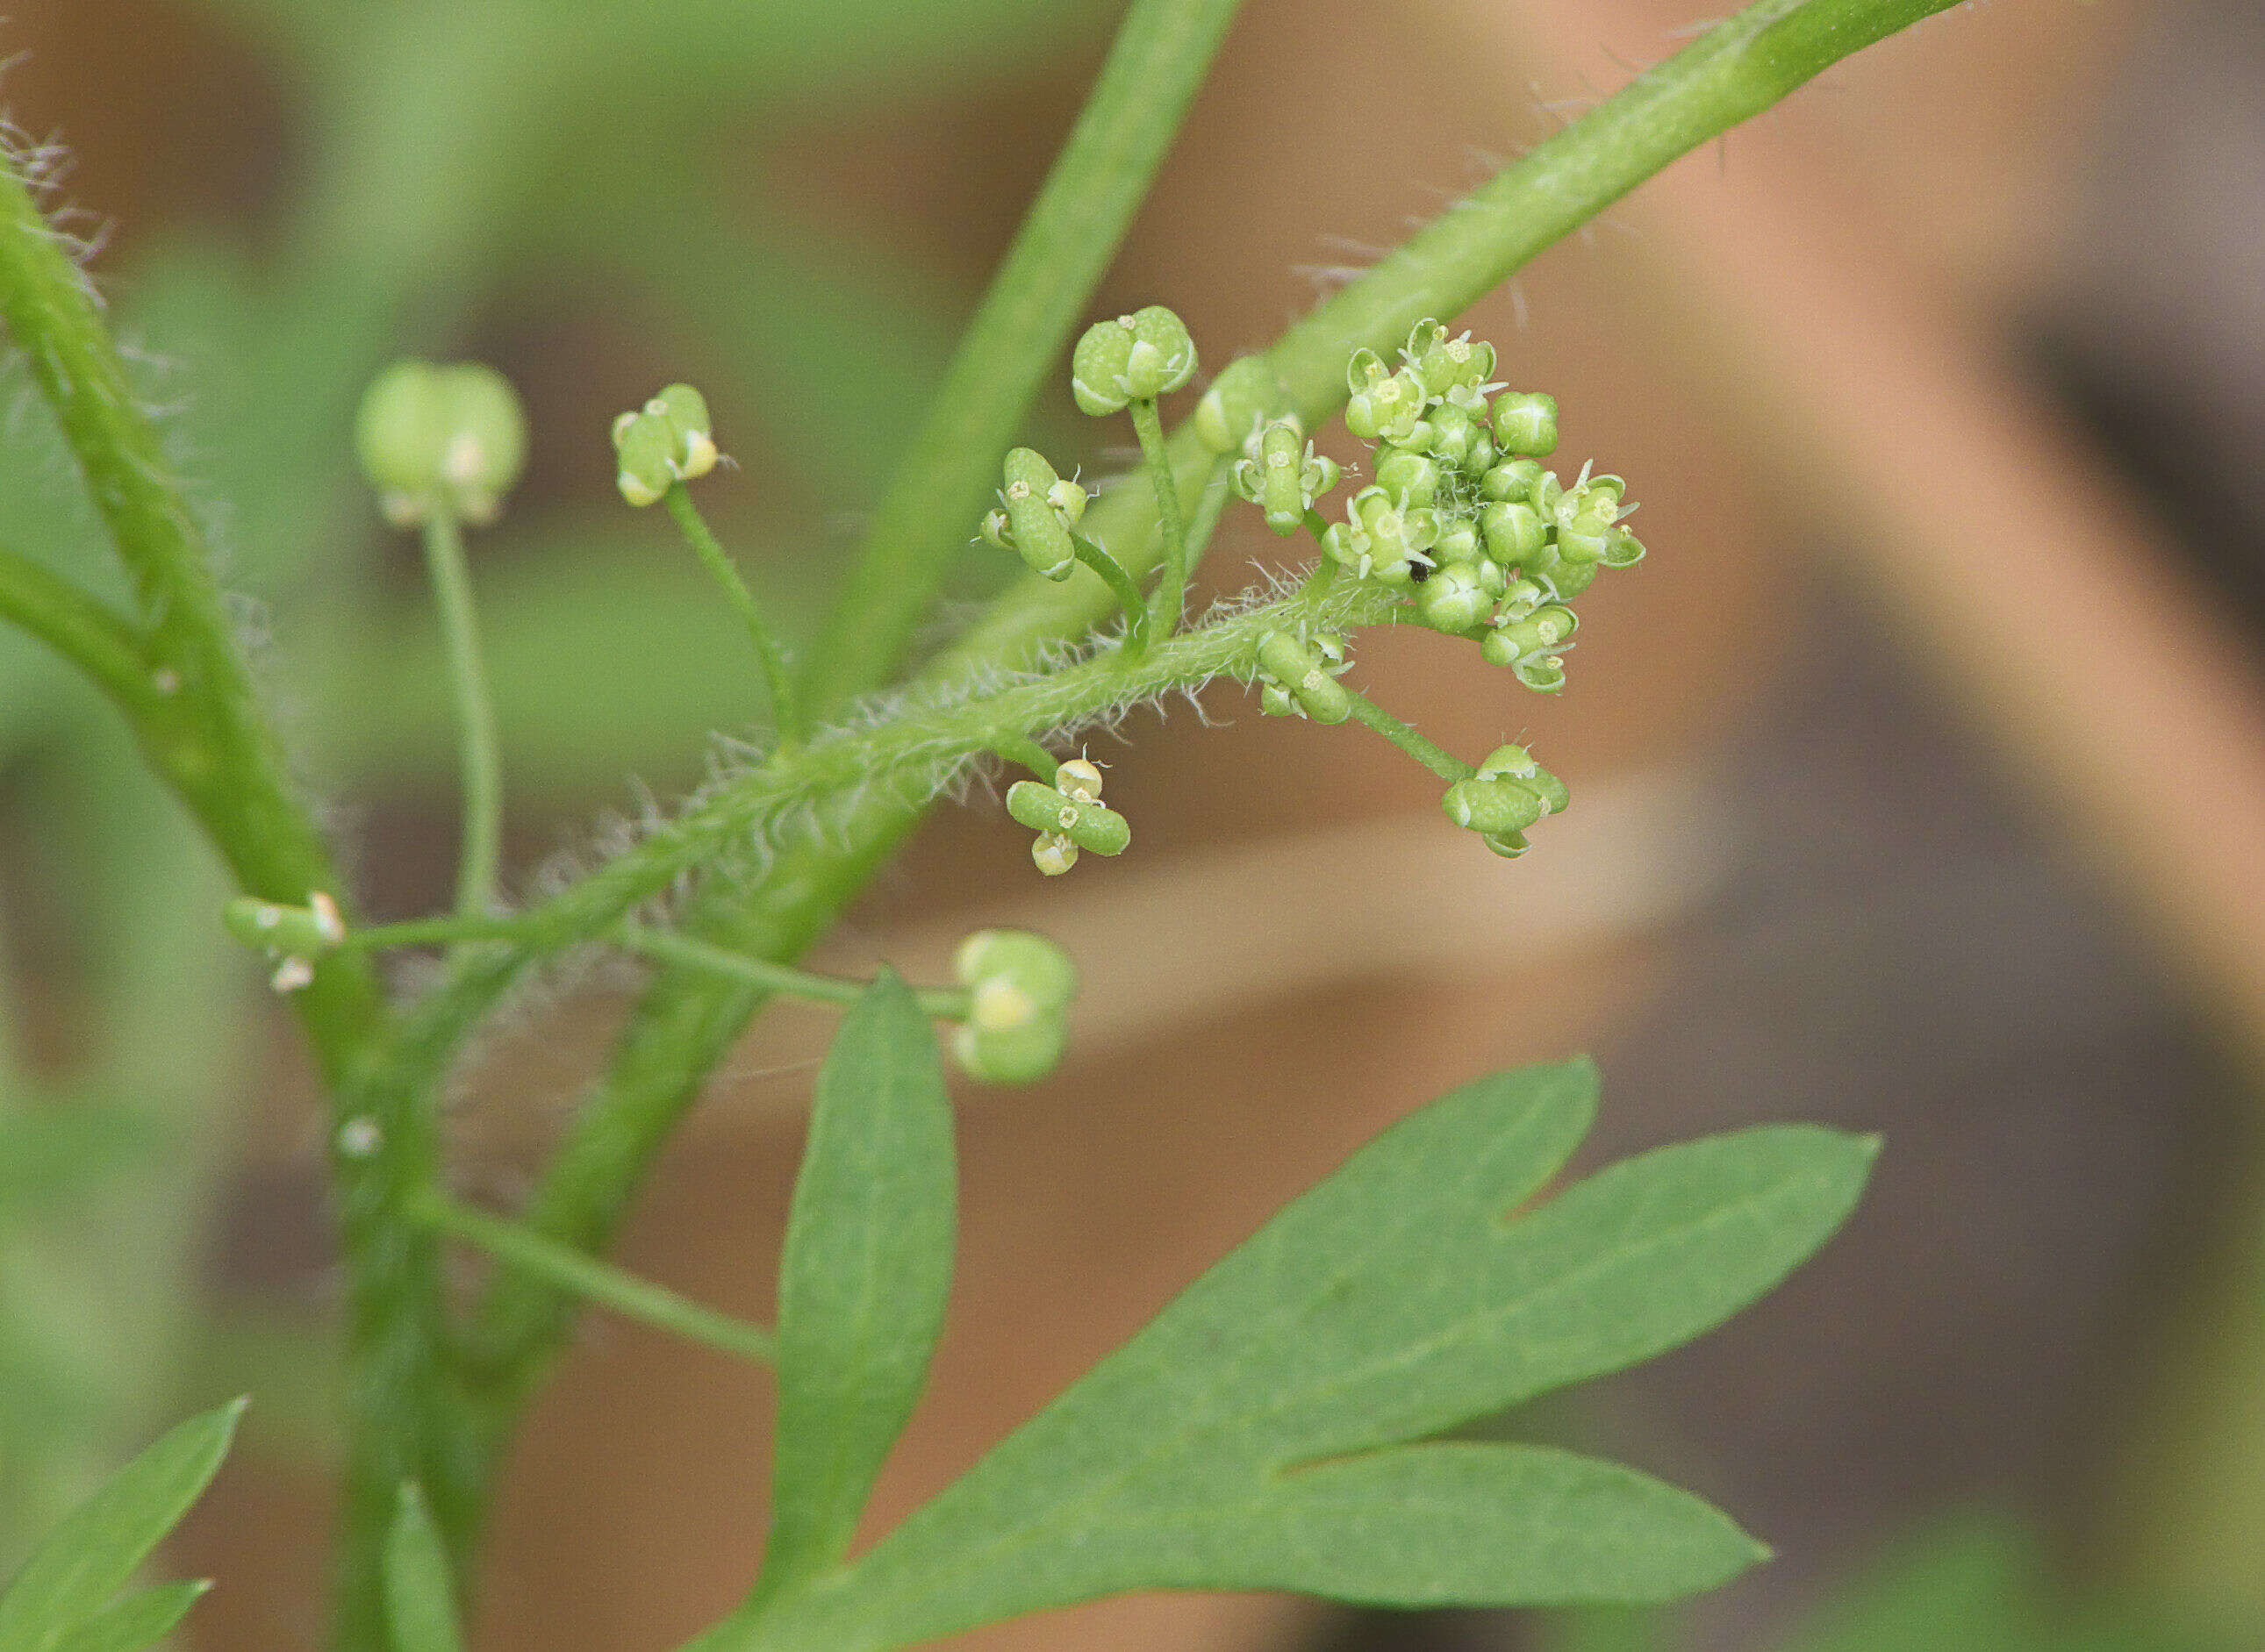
x: 476, y: 721
x: 208, y: 739
x: 1370, y: 715
x: 82, y: 630
x: 686, y: 1022
x: 1162, y: 51
x: 593, y: 1281
x: 426, y: 932
x: 1128, y: 594
x: 1026, y: 752
x: 1171, y: 589
x: 944, y: 1003
x: 785, y: 714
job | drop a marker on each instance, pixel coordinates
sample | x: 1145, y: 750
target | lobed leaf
x: 84, y: 1561
x: 1254, y: 1434
x: 863, y: 1283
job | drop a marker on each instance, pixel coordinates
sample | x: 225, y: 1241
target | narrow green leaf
x: 136, y: 1620
x: 84, y: 1561
x: 420, y: 1601
x: 863, y: 1280
x: 1243, y: 1438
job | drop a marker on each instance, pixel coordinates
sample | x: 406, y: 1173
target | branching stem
x: 944, y: 1003
x: 1128, y: 593
x: 1370, y: 715
x: 595, y: 1281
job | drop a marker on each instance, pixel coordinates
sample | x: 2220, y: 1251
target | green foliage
x: 864, y: 1277
x: 1274, y: 1427
x: 420, y: 1600
x: 62, y: 1599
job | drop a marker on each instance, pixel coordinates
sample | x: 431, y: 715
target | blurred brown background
x: 1919, y: 783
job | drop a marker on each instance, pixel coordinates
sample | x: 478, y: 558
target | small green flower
x: 451, y: 438
x: 1083, y: 821
x: 1038, y: 511
x: 293, y: 936
x: 1384, y: 405
x: 1281, y: 479
x: 1298, y: 679
x: 1379, y: 541
x: 667, y: 440
x: 1452, y: 369
x: 1134, y: 357
x: 1020, y: 987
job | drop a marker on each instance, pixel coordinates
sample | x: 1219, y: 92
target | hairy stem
x: 208, y: 739
x: 593, y: 1281
x: 785, y: 712
x: 944, y: 1003
x: 476, y: 722
x: 1162, y: 51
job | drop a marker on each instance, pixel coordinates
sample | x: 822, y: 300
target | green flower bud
x: 1409, y: 478
x: 1453, y: 599
x: 1492, y: 806
x: 1451, y: 430
x: 1039, y: 508
x: 1513, y: 530
x: 1305, y: 675
x: 1053, y: 854
x: 1525, y: 421
x: 1459, y: 540
x: 1521, y: 596
x: 1134, y: 357
x: 1086, y: 823
x: 1512, y: 479
x: 452, y: 438
x: 1240, y: 400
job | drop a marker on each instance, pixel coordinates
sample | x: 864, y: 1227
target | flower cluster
x: 1461, y: 514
